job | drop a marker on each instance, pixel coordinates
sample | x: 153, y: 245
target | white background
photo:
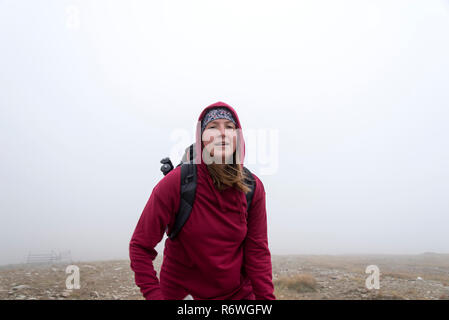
x: 90, y: 92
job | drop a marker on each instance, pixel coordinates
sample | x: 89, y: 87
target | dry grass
x: 444, y: 296
x: 399, y: 275
x: 443, y: 278
x: 391, y: 295
x: 299, y: 283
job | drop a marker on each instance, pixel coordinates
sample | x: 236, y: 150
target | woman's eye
x: 228, y: 127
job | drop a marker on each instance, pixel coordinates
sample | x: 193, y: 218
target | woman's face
x: 219, y: 140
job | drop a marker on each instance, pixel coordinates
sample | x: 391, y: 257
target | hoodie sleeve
x: 257, y: 257
x: 159, y: 213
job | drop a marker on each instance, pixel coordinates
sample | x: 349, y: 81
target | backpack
x: 188, y: 187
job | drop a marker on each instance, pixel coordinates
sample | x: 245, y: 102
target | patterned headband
x: 216, y: 113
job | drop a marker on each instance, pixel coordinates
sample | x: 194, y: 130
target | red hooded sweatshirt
x: 221, y: 253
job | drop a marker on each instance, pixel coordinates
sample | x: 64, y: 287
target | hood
x: 240, y: 148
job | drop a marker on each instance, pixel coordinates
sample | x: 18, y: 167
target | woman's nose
x: 222, y: 131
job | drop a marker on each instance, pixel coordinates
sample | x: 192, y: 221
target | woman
x: 222, y: 250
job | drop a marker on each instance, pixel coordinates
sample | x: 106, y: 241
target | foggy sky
x: 358, y: 91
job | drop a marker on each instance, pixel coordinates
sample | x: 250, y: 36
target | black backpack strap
x: 188, y: 188
x: 251, y: 182
x: 188, y: 154
x: 191, y: 152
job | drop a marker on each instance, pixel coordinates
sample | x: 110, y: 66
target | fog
x: 352, y: 95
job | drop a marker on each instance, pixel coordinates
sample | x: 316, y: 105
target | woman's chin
x: 223, y: 158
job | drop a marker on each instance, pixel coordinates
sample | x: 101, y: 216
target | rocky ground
x: 420, y: 277
x: 423, y: 276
